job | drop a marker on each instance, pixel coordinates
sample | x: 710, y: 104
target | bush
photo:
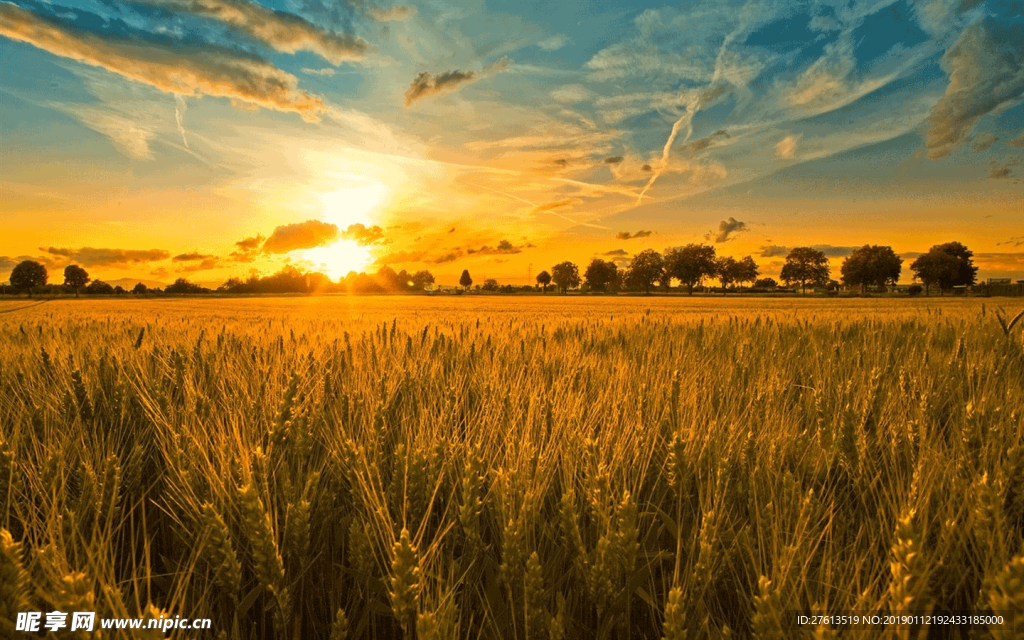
x: 914, y: 290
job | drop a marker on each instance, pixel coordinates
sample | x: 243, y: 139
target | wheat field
x: 514, y: 468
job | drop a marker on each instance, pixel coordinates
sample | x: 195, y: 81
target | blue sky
x: 496, y: 135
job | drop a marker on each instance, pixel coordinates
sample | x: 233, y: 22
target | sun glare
x: 359, y: 203
x: 338, y: 259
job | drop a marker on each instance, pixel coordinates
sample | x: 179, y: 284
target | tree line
x: 944, y: 266
x: 31, y: 277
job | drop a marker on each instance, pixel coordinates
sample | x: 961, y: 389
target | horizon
x: 164, y: 139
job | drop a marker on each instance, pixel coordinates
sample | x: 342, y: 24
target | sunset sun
x: 338, y: 259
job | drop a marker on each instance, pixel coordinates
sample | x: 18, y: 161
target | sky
x: 206, y: 139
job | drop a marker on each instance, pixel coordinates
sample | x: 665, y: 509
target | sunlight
x: 338, y: 259
x: 358, y: 201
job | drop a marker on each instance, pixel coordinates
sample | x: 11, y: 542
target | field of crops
x: 515, y: 468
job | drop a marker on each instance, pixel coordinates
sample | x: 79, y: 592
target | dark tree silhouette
x: 566, y: 275
x: 421, y: 280
x: 729, y: 271
x: 75, y: 277
x: 181, y: 285
x: 465, y: 280
x: 947, y: 265
x: 140, y: 288
x: 765, y: 283
x: 805, y: 265
x: 544, y: 279
x: 690, y: 264
x: 490, y: 284
x: 747, y: 270
x: 600, y: 274
x: 646, y: 268
x: 98, y: 287
x: 871, y: 265
x: 27, y: 275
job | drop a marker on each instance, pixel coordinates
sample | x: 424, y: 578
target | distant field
x: 520, y: 468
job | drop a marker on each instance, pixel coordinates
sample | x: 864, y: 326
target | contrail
x: 691, y: 110
x: 180, y: 107
x: 712, y: 91
x: 535, y: 205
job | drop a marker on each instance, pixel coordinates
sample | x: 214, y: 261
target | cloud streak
x: 166, y: 65
x: 284, y: 32
x: 426, y: 84
x: 727, y: 230
x: 92, y: 257
x: 986, y: 74
x: 301, y: 235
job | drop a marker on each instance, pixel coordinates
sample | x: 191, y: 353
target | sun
x: 357, y: 202
x: 337, y: 259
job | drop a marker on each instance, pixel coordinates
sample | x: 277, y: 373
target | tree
x: 566, y: 275
x: 544, y: 279
x: 465, y: 280
x: 947, y: 265
x: 98, y: 287
x: 646, y: 268
x: 872, y: 265
x: 27, y: 275
x: 600, y: 274
x: 805, y: 265
x: 75, y: 277
x: 490, y: 284
x: 421, y: 280
x: 727, y: 270
x: 140, y: 288
x: 747, y: 270
x: 765, y: 283
x: 690, y: 264
x: 181, y: 285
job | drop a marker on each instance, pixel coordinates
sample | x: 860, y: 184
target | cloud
x: 284, y: 32
x: 625, y: 235
x: 300, y: 235
x: 553, y: 43
x: 326, y: 71
x: 1016, y: 241
x: 703, y: 143
x: 830, y: 251
x: 248, y: 249
x: 451, y: 256
x: 1016, y: 143
x: 402, y: 257
x: 983, y: 142
x: 616, y: 252
x: 786, y: 148
x: 204, y: 265
x: 613, y: 160
x: 572, y: 94
x: 166, y: 65
x: 1000, y: 172
x: 727, y: 229
x: 362, y: 234
x: 426, y: 84
x: 986, y: 74
x: 503, y: 247
x: 128, y: 136
x: 550, y: 206
x: 773, y: 251
x: 191, y: 257
x: 396, y: 13
x: 91, y: 257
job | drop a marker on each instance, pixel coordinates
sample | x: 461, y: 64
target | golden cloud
x: 208, y: 70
